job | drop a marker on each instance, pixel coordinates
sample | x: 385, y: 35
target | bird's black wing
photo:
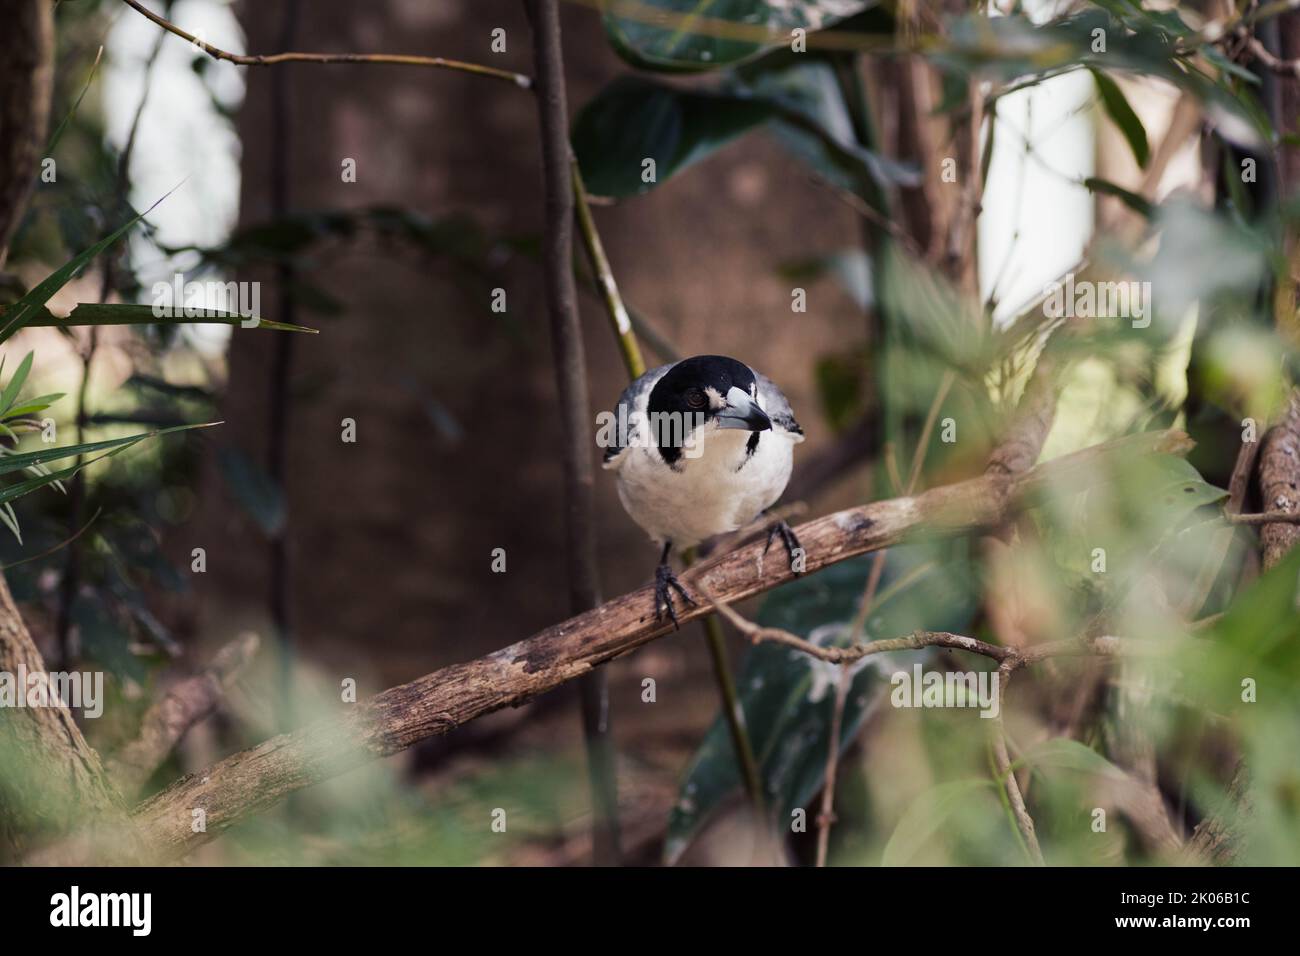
x: 777, y: 406
x: 634, y: 399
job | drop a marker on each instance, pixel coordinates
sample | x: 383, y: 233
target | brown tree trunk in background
x: 26, y: 78
x: 459, y: 442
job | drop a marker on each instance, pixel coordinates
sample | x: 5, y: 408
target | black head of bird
x: 709, y: 449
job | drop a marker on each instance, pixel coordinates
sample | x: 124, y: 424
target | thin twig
x: 1016, y: 658
x: 62, y: 544
x: 1007, y: 774
x: 394, y: 59
x: 1267, y: 517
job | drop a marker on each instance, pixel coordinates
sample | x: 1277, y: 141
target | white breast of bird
x: 722, y: 489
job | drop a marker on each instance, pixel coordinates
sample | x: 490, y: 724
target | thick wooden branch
x: 53, y: 779
x: 1279, y: 483
x: 1219, y: 836
x: 437, y: 703
x: 1217, y: 839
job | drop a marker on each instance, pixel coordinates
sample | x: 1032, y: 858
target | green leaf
x: 1220, y: 60
x: 788, y: 697
x: 815, y: 126
x: 634, y: 119
x: 10, y: 393
x: 926, y: 815
x: 72, y: 111
x: 788, y: 700
x: 45, y: 477
x: 685, y: 34
x: 32, y: 304
x: 1261, y: 627
x: 1021, y: 53
x: 18, y: 462
x: 11, y: 521
x: 33, y: 405
x: 1121, y: 113
x: 125, y: 313
x: 1131, y: 199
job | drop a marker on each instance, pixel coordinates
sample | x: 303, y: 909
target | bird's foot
x: 665, y: 583
x: 792, y: 546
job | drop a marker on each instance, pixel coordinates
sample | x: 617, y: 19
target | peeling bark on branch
x: 1279, y: 482
x: 1217, y: 839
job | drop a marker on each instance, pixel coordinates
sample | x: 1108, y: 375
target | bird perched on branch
x: 701, y: 447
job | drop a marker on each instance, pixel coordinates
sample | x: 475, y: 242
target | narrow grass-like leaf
x: 10, y: 393
x: 11, y: 520
x: 33, y: 405
x: 14, y: 491
x: 31, y: 304
x: 1129, y: 198
x: 127, y: 313
x: 11, y: 463
x: 1118, y: 108
x: 63, y: 124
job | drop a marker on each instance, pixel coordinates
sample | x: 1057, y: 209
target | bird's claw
x: 665, y: 583
x: 788, y: 539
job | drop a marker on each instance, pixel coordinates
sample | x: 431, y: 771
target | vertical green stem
x: 731, y: 708
x: 618, y: 314
x: 734, y: 713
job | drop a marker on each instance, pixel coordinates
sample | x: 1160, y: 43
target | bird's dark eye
x: 696, y: 398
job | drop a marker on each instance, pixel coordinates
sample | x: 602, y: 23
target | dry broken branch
x: 184, y: 705
x: 392, y: 59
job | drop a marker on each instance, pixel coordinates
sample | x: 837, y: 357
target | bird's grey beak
x: 743, y: 412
